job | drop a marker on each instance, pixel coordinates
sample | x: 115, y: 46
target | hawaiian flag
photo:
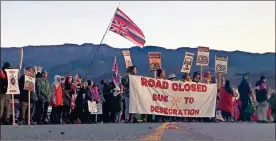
x: 116, y: 76
x: 124, y: 26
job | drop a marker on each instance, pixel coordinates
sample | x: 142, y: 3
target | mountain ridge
x: 71, y: 58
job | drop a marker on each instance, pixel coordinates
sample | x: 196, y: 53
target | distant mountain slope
x: 71, y: 59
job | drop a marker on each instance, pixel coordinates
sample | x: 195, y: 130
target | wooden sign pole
x: 13, y: 111
x: 29, y: 108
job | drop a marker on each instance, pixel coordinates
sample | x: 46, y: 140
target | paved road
x: 141, y: 131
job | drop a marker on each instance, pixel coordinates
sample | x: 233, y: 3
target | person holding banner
x: 125, y: 82
x: 23, y: 99
x: 187, y: 77
x: 196, y: 77
x: 4, y: 98
x: 161, y: 74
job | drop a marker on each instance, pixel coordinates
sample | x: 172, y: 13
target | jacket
x: 261, y: 92
x: 67, y: 95
x: 226, y: 101
x: 43, y: 89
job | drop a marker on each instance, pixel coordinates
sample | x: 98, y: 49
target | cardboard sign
x: 221, y: 64
x: 38, y: 69
x: 154, y: 61
x: 94, y: 108
x: 12, y: 76
x: 29, y: 84
x: 127, y: 57
x: 202, y: 56
x: 188, y: 61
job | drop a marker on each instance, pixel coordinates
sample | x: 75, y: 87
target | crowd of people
x: 68, y: 96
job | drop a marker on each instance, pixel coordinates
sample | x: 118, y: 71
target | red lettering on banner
x: 159, y: 97
x: 144, y: 81
x: 189, y: 100
x: 175, y: 112
x: 154, y: 83
x: 189, y: 87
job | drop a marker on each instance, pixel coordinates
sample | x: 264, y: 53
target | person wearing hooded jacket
x: 4, y: 99
x: 56, y: 99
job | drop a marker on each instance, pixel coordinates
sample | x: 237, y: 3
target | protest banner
x: 29, y: 85
x: 188, y: 61
x: 154, y: 61
x: 127, y: 57
x: 171, y: 98
x: 202, y: 58
x: 221, y: 64
x: 13, y: 87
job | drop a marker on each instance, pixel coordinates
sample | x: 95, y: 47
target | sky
x: 233, y: 25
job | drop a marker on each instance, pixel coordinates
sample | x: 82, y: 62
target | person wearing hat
x: 262, y: 99
x: 23, y: 99
x: 246, y: 95
x: 43, y: 94
x: 4, y: 99
x: 172, y: 77
x: 208, y: 77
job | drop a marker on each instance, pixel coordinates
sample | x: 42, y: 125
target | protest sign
x: 127, y: 57
x: 202, y: 56
x: 221, y: 64
x: 171, y: 98
x: 12, y: 76
x: 154, y: 61
x: 29, y: 84
x: 188, y: 61
x: 94, y: 108
x: 38, y: 69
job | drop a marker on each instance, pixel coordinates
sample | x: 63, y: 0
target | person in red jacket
x: 57, y: 99
x: 226, y: 101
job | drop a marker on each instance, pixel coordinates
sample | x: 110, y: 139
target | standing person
x: 57, y: 99
x: 24, y: 98
x: 196, y: 77
x: 246, y: 104
x: 173, y: 77
x: 68, y: 92
x: 272, y: 103
x: 161, y: 74
x: 187, y: 77
x: 226, y: 101
x: 43, y: 94
x: 262, y: 99
x: 4, y: 98
x: 80, y: 102
x: 125, y: 82
x: 207, y: 77
x: 108, y: 114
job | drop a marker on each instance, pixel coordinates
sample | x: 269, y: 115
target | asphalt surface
x: 141, y: 131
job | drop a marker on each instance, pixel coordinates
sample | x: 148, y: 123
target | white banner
x: 188, y: 62
x: 221, y: 63
x: 12, y: 76
x: 94, y: 108
x: 171, y: 98
x: 127, y: 57
x: 202, y: 56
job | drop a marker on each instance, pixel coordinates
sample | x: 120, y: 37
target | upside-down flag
x: 124, y: 26
x: 116, y: 78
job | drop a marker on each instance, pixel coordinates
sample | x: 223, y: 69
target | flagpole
x: 90, y: 66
